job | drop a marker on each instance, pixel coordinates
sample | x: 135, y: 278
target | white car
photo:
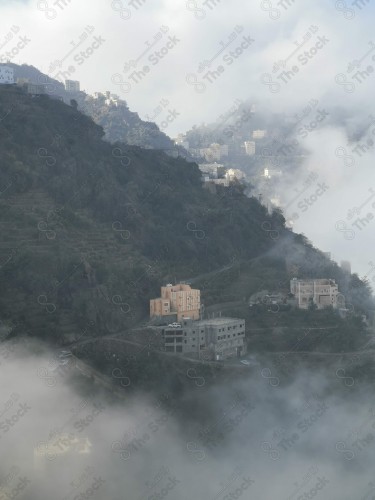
x: 245, y: 362
x: 176, y: 325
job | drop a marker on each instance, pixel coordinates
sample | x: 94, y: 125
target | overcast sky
x: 178, y: 45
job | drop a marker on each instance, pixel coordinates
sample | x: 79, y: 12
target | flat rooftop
x: 218, y: 321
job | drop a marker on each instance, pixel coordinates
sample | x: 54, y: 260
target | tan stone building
x: 180, y: 300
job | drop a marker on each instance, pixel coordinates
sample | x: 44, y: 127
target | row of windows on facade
x: 304, y: 299
x: 230, y: 328
x: 180, y: 332
x: 179, y: 341
x: 224, y: 336
x: 177, y: 348
x: 202, y: 346
x: 176, y: 336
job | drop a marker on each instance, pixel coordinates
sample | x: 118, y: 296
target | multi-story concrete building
x: 72, y: 86
x: 250, y: 147
x: 180, y: 300
x: 212, y: 170
x: 268, y: 173
x: 214, y: 152
x: 210, y: 339
x: 321, y: 292
x: 259, y: 134
x: 6, y: 75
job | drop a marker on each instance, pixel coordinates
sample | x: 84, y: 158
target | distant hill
x: 118, y: 122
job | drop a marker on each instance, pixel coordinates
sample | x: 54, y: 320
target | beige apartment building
x: 321, y: 292
x: 180, y: 300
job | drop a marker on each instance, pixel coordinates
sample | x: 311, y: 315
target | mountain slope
x: 118, y: 122
x: 91, y: 230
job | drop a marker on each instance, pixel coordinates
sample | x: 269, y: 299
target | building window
x: 179, y: 348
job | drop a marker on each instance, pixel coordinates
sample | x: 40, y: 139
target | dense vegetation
x: 88, y: 227
x: 91, y: 230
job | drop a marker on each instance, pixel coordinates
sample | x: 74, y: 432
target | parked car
x: 245, y: 362
x: 176, y: 325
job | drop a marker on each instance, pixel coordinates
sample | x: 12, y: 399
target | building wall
x: 323, y: 292
x: 180, y: 299
x: 250, y: 147
x: 216, y: 339
x: 6, y: 75
x: 72, y: 85
x: 259, y: 134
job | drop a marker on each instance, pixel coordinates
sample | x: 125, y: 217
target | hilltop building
x: 250, y: 147
x: 214, y: 152
x: 320, y: 292
x: 259, y: 134
x: 6, y: 75
x: 210, y: 339
x: 212, y: 170
x: 180, y: 301
x: 72, y: 86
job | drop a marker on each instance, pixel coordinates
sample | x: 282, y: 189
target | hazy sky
x: 202, y: 55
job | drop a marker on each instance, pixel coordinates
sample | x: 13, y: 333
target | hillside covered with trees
x: 90, y: 230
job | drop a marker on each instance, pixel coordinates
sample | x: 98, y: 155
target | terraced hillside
x: 90, y: 230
